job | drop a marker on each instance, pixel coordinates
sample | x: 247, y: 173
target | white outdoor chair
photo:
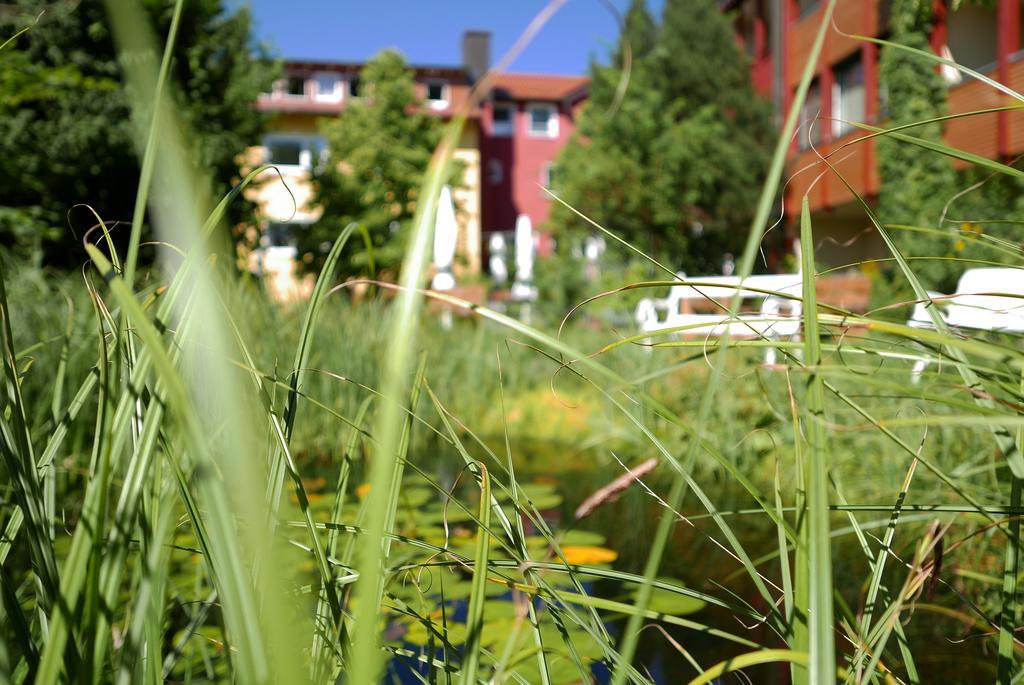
x: 989, y: 299
x: 778, y: 316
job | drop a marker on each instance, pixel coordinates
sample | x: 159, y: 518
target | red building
x: 524, y: 124
x: 778, y: 35
x: 507, y: 148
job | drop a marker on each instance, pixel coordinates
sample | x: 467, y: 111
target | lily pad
x: 669, y: 602
x: 581, y: 538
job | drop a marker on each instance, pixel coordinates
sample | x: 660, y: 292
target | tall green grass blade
x: 516, y: 548
x: 149, y: 155
x: 531, y: 575
x: 238, y: 603
x: 266, y: 646
x: 141, y: 662
x: 877, y: 569
x: 784, y: 568
x: 324, y: 639
x: 744, y: 268
x: 478, y: 593
x: 819, y: 611
x: 878, y: 638
x: 936, y: 59
x: 299, y: 371
x: 81, y: 559
x: 948, y: 151
x: 366, y: 657
x: 284, y: 454
x: 49, y: 472
x: 13, y: 616
x: 764, y: 656
x: 18, y: 455
x: 1009, y: 615
x: 628, y: 609
x: 14, y: 37
x: 124, y: 409
x: 1005, y: 442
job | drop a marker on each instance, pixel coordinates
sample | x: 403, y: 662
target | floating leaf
x: 581, y: 537
x: 668, y: 602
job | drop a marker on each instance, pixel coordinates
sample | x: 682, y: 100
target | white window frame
x: 840, y: 127
x: 445, y: 94
x: 291, y: 96
x: 503, y: 129
x: 552, y: 109
x: 339, y: 87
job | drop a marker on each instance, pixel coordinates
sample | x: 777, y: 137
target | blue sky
x: 430, y: 31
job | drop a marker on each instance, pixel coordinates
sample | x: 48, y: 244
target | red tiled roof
x: 538, y: 86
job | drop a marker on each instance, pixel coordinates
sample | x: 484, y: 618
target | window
x: 287, y: 152
x: 884, y: 18
x: 328, y: 87
x: 543, y: 120
x: 501, y: 119
x: 848, y: 95
x: 297, y: 150
x: 972, y: 36
x: 355, y: 87
x: 278, y: 234
x: 547, y: 175
x: 753, y: 20
x: 807, y: 7
x: 495, y: 172
x: 282, y: 235
x: 295, y: 86
x: 437, y: 94
x: 810, y: 128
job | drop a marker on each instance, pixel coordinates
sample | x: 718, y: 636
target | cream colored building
x: 308, y: 93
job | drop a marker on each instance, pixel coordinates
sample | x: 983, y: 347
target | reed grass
x: 201, y: 486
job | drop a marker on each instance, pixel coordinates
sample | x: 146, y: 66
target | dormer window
x: 543, y: 120
x: 437, y: 94
x: 328, y: 87
x: 295, y: 86
x: 501, y: 119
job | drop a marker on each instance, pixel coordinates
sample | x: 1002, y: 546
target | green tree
x: 674, y: 166
x: 378, y: 151
x: 916, y: 183
x: 65, y: 127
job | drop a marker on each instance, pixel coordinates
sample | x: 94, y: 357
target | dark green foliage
x: 672, y: 167
x: 378, y: 153
x: 916, y: 183
x: 988, y: 211
x: 65, y: 126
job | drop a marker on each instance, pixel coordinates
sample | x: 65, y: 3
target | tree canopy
x: 676, y: 164
x: 916, y: 183
x: 379, y: 148
x: 65, y: 126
